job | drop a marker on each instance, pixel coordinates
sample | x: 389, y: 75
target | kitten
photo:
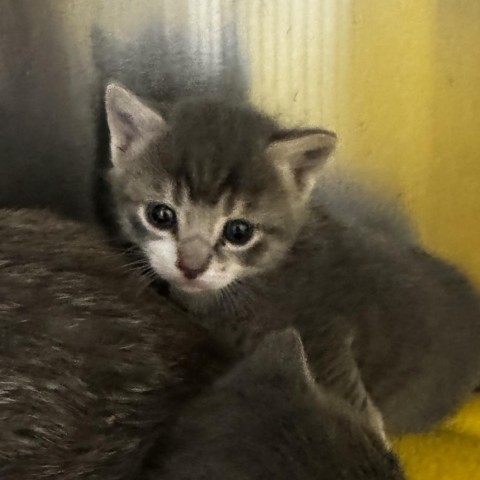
x: 92, y: 364
x: 217, y: 198
x: 268, y: 419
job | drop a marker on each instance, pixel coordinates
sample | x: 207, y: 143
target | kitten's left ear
x: 131, y: 122
x: 301, y: 154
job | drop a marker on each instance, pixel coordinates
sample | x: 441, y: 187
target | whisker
x: 148, y: 277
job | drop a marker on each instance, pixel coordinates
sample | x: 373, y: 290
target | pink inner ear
x: 129, y: 118
x: 309, y: 160
x: 128, y: 129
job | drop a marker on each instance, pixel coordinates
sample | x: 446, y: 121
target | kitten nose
x: 189, y: 272
x: 193, y: 257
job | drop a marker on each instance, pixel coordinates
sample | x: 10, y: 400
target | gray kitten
x: 92, y: 364
x: 268, y: 419
x: 217, y: 198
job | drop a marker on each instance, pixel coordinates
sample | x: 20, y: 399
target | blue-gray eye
x: 161, y: 216
x: 238, y: 232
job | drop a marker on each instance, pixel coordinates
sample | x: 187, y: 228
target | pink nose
x: 190, y: 272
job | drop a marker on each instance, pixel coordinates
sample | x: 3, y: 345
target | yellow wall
x: 451, y: 220
x: 400, y: 82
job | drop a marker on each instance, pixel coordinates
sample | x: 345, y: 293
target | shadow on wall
x: 55, y: 62
x: 41, y: 133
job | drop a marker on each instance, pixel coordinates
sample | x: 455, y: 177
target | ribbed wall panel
x: 398, y: 80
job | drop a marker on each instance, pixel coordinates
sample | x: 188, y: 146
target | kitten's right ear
x: 279, y: 353
x: 132, y: 123
x: 283, y: 349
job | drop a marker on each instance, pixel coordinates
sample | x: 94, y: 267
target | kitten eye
x: 161, y: 216
x: 238, y: 232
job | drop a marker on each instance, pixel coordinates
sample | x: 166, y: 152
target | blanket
x: 450, y: 452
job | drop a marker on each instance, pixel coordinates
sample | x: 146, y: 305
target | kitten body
x: 414, y: 320
x: 268, y: 419
x: 217, y: 197
x: 92, y: 364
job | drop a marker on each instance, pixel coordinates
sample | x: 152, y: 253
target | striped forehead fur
x: 216, y: 148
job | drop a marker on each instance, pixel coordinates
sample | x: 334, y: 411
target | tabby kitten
x: 217, y: 198
x: 92, y: 364
x: 268, y: 419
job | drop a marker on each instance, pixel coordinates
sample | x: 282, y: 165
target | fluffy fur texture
x: 92, y: 364
x: 94, y: 369
x: 413, y: 320
x: 268, y: 419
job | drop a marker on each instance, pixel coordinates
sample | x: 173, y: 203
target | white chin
x: 197, y: 285
x: 194, y: 286
x: 191, y: 288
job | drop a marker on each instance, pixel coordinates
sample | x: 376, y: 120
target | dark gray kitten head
x: 211, y: 191
x: 269, y: 420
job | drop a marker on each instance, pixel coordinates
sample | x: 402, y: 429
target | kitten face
x: 197, y: 246
x: 213, y: 192
x: 268, y: 419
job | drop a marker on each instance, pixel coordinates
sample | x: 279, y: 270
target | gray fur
x: 93, y: 365
x: 267, y: 419
x: 413, y: 319
x: 94, y: 369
